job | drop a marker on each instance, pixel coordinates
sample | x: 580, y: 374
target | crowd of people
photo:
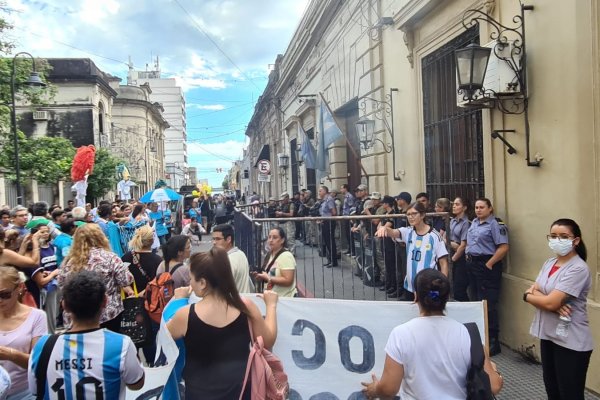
x: 65, y: 272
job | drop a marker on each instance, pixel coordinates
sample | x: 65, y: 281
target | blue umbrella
x: 160, y: 195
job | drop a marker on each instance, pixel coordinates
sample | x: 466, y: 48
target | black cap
x: 404, y: 196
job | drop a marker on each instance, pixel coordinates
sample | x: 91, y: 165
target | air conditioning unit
x: 40, y: 115
x: 500, y: 80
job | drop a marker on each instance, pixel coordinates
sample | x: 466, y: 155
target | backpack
x: 478, y: 381
x: 265, y: 370
x: 158, y: 293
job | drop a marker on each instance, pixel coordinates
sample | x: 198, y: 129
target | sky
x: 219, y: 52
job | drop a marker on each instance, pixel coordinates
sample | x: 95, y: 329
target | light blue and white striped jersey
x: 94, y: 364
x: 421, y: 252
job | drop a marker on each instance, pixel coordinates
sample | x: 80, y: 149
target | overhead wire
x: 216, y: 44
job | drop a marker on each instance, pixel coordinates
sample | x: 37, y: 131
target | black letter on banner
x: 368, y: 349
x: 151, y: 394
x: 318, y: 358
x: 324, y: 396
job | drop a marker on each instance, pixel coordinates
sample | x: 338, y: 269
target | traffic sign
x: 264, y: 167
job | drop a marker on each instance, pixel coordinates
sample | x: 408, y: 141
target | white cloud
x: 250, y: 32
x: 212, y: 107
x: 216, y: 152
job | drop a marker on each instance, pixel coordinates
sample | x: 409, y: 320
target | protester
x: 223, y: 237
x: 19, y: 216
x: 559, y: 295
x: 428, y: 357
x: 158, y: 216
x: 424, y: 246
x: 216, y: 332
x: 44, y: 278
x: 193, y: 230
x: 20, y: 328
x: 107, y: 361
x: 487, y: 245
x: 175, y: 254
x: 10, y: 257
x: 90, y: 251
x: 279, y: 266
x: 5, y: 218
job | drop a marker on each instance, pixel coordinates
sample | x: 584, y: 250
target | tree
x: 45, y: 159
x: 225, y: 184
x: 104, y: 178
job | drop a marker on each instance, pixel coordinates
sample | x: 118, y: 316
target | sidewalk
x: 522, y: 378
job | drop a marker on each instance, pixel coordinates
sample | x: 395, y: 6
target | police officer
x: 287, y: 209
x: 328, y: 209
x: 487, y: 245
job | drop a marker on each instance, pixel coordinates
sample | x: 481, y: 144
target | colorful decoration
x: 82, y: 167
x: 123, y: 172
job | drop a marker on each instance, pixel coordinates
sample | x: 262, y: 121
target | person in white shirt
x: 428, y: 357
x: 223, y: 237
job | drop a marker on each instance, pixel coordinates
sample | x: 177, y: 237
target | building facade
x: 389, y: 65
x: 90, y: 107
x: 166, y: 92
x: 138, y: 135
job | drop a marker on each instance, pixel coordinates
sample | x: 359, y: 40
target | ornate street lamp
x: 471, y: 65
x: 34, y: 81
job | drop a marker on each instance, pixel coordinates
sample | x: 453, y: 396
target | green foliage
x: 45, y: 159
x: 225, y: 184
x: 103, y: 179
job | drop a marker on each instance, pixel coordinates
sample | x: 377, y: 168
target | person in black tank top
x: 216, y: 330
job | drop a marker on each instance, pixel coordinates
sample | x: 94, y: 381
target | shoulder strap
x: 42, y: 367
x: 477, y: 357
x: 267, y: 265
x: 175, y: 268
x: 250, y: 357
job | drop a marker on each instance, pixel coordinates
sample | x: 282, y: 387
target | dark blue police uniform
x: 460, y: 275
x: 483, y: 238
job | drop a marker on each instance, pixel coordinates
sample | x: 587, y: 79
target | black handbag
x: 135, y: 321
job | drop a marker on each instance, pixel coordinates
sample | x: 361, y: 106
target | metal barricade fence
x: 248, y: 238
x: 369, y: 268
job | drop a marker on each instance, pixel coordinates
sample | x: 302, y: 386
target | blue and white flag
x: 329, y: 132
x: 307, y: 151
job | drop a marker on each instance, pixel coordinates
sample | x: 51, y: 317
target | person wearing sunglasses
x: 424, y: 247
x: 20, y: 328
x: 559, y: 296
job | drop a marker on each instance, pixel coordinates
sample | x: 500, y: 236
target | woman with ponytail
x: 176, y: 253
x: 428, y: 357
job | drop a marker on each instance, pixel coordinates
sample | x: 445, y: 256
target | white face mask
x: 560, y: 246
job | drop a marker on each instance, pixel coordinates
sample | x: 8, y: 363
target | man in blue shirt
x: 328, y: 209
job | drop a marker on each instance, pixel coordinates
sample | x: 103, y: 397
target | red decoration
x: 83, y: 163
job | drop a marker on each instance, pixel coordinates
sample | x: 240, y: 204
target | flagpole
x: 338, y: 123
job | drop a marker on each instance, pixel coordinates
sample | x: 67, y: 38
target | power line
x: 214, y: 154
x: 216, y: 45
x: 71, y: 46
x: 216, y: 111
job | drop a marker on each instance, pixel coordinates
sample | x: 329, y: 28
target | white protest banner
x: 156, y: 378
x: 329, y: 346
